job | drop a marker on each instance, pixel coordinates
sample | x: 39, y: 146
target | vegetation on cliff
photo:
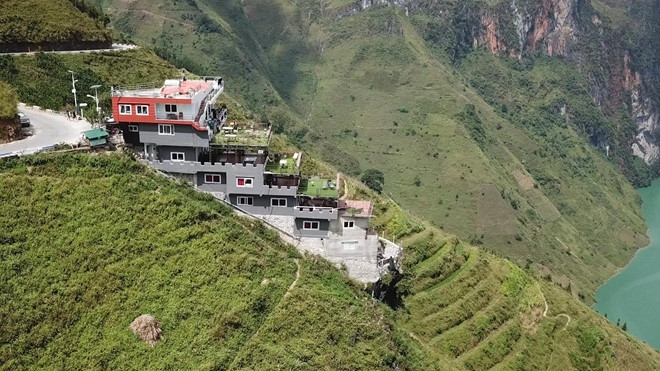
x: 8, y: 102
x: 10, y: 128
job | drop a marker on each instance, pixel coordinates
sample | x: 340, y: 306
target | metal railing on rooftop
x: 119, y: 90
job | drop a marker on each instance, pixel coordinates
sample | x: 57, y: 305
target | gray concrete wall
x: 324, y: 229
x: 255, y: 171
x: 262, y: 205
x: 164, y: 152
x: 232, y: 171
x: 184, y: 136
x: 211, y: 187
x: 359, y: 230
x: 129, y: 136
x: 359, y: 247
x: 307, y: 212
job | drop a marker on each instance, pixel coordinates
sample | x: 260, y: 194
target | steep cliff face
x: 645, y: 114
x: 571, y: 29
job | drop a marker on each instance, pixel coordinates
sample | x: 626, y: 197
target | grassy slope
x: 386, y: 100
x: 38, y: 21
x: 470, y: 310
x: 91, y: 242
x: 465, y: 308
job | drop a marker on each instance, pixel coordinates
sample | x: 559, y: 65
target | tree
x: 625, y: 326
x: 373, y: 179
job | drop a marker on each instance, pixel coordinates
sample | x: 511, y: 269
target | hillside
x: 503, y: 151
x: 43, y: 79
x: 92, y: 241
x: 31, y: 25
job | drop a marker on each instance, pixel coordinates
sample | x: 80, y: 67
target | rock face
x: 9, y: 130
x: 555, y: 28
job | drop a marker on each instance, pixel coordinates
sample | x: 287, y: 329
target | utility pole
x: 96, y: 97
x: 75, y: 98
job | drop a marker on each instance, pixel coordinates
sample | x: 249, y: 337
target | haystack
x: 147, y: 328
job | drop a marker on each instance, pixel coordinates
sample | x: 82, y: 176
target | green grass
x: 47, y: 21
x: 289, y: 168
x: 314, y: 188
x: 8, y: 102
x: 91, y: 242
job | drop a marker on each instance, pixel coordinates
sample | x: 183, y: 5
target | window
x: 278, y: 202
x: 349, y: 224
x: 171, y: 108
x: 349, y: 245
x: 212, y: 178
x: 133, y: 128
x: 124, y: 109
x: 178, y: 156
x: 244, y: 182
x: 164, y: 129
x: 310, y: 225
x: 142, y: 110
x: 242, y: 200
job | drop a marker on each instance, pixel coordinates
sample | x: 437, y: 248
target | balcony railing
x: 173, y: 116
x: 315, y: 212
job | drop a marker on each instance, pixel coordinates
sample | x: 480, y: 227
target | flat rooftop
x: 355, y: 208
x: 326, y: 188
x: 171, y: 89
x: 242, y: 135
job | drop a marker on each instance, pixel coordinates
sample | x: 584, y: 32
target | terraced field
x: 468, y: 309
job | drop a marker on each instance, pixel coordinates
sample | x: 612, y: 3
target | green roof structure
x: 96, y: 137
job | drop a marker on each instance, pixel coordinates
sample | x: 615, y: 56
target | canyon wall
x: 569, y: 29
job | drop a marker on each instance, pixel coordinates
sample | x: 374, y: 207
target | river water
x: 633, y: 295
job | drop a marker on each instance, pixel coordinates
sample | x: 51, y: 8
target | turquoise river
x: 633, y: 295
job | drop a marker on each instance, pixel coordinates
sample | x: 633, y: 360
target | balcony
x: 173, y: 116
x: 308, y: 212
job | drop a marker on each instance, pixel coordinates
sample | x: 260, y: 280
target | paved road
x: 115, y: 48
x: 48, y: 129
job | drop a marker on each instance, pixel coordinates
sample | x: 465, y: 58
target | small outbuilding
x: 96, y: 137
